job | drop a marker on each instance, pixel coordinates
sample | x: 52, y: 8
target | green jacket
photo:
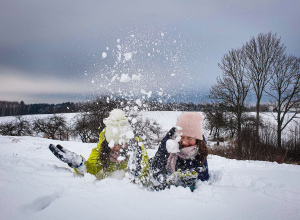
x: 94, y: 164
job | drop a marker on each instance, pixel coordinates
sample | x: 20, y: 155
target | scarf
x: 185, y: 153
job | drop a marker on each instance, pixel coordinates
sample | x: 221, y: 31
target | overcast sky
x: 67, y: 50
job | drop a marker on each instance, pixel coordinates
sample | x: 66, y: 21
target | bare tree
x: 7, y: 128
x: 232, y: 89
x: 215, y: 120
x: 51, y: 127
x: 261, y: 52
x: 284, y: 90
x: 22, y: 126
x: 90, y: 123
x: 83, y: 127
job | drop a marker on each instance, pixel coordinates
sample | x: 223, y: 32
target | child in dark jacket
x: 181, y: 159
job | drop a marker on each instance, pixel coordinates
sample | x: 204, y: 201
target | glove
x: 71, y: 158
x: 183, y: 178
x: 158, y: 181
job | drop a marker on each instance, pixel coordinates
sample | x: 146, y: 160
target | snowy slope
x: 35, y: 185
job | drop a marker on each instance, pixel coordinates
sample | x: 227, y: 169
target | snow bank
x: 35, y: 185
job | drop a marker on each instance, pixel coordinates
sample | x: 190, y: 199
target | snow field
x: 34, y: 184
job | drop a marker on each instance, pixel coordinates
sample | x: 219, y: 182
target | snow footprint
x: 39, y: 204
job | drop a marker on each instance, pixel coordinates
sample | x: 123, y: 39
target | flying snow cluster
x: 140, y: 66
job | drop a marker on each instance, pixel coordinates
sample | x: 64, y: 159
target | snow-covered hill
x: 35, y: 185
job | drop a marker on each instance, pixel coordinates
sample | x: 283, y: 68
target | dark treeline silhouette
x: 20, y: 108
x: 15, y: 108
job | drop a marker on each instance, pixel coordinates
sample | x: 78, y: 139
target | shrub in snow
x: 53, y: 127
x: 89, y: 123
x: 17, y: 127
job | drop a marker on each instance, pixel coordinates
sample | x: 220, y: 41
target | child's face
x: 187, y: 141
x: 117, y: 148
x: 116, y: 151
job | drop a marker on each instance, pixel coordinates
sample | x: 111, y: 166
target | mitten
x: 66, y: 156
x: 158, y: 181
x: 183, y: 178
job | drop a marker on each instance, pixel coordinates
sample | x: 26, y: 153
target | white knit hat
x: 118, y: 129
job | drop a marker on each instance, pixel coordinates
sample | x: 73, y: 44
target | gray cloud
x: 60, y: 43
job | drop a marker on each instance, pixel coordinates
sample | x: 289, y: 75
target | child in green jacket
x: 117, y: 152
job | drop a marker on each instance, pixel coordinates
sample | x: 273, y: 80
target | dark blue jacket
x: 159, y: 162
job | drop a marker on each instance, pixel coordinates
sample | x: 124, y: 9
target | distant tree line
x: 15, y: 108
x: 20, y: 108
x: 86, y: 125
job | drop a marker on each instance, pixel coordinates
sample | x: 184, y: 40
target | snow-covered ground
x: 35, y: 185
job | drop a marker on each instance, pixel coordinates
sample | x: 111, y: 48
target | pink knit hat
x: 190, y: 124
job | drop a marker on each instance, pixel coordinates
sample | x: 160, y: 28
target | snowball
x: 128, y: 56
x: 173, y: 74
x: 104, y: 55
x: 118, y: 40
x: 136, y: 77
x: 133, y: 121
x: 149, y: 94
x: 125, y: 78
x: 129, y: 134
x: 121, y: 158
x: 172, y: 146
x: 138, y: 102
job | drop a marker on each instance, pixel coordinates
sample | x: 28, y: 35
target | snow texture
x: 35, y: 185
